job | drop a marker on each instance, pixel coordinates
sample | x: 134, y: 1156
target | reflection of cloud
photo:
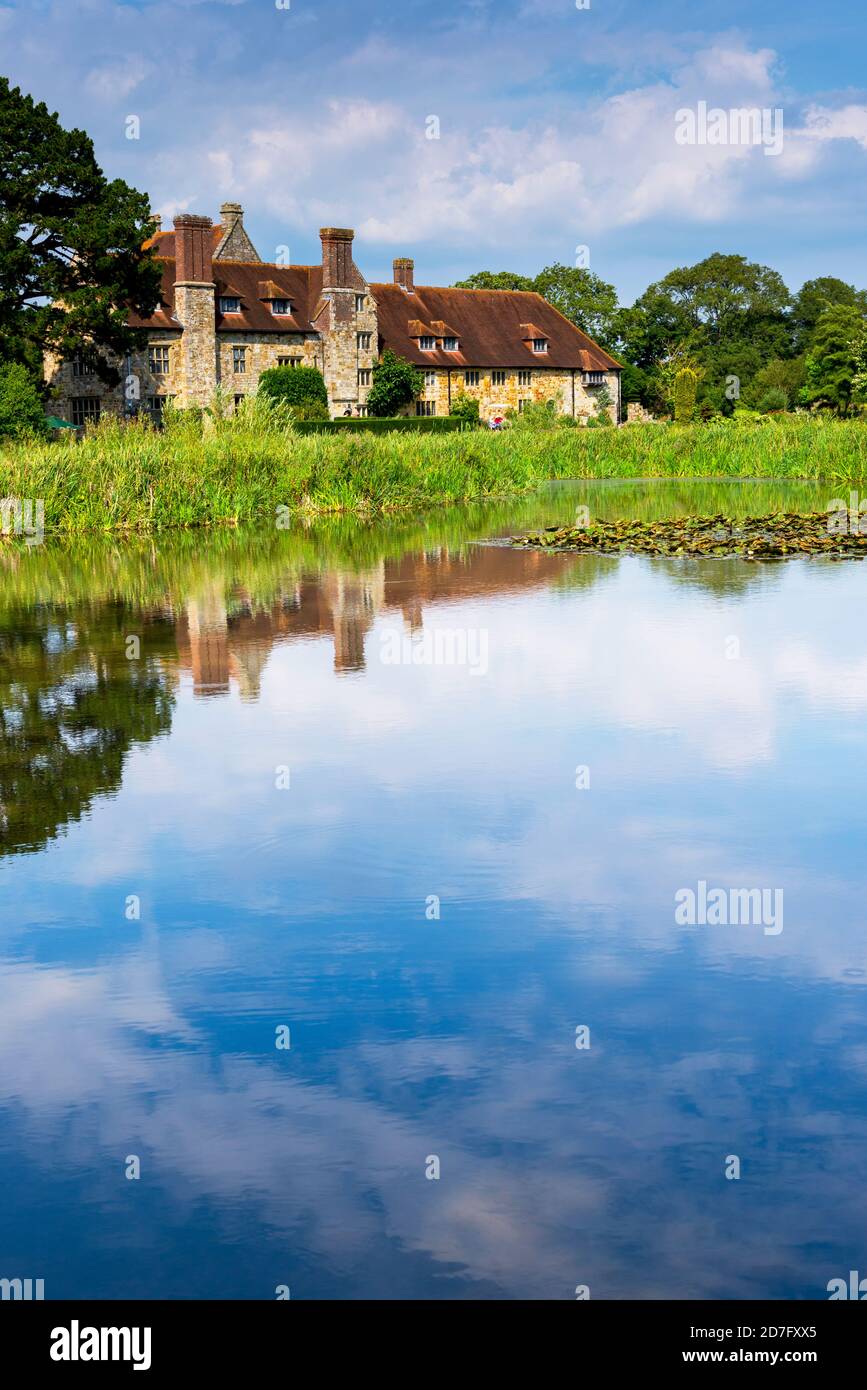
x: 826, y: 680
x: 456, y: 1037
x: 537, y: 1157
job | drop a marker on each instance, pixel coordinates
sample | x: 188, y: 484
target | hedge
x: 427, y: 424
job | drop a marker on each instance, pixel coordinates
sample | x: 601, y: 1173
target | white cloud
x: 605, y: 163
x: 116, y: 80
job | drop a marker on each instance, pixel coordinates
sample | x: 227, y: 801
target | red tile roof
x: 490, y: 326
x: 164, y: 242
x: 494, y: 328
x: 301, y: 284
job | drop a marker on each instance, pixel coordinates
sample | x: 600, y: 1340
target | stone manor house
x: 225, y: 316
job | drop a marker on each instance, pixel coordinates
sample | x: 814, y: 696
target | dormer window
x: 281, y: 306
x: 230, y: 304
x: 540, y: 344
x: 450, y: 344
x: 427, y: 344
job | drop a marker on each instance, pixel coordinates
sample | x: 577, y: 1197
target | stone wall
x: 262, y: 352
x: 145, y: 385
x: 196, y: 371
x: 637, y: 415
x: 545, y: 384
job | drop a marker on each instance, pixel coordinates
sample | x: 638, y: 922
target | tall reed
x: 226, y: 469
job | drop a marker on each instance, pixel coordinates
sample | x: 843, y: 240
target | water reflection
x: 412, y: 1035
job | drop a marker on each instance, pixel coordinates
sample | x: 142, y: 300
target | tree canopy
x: 729, y: 313
x: 834, y: 360
x: 814, y: 298
x: 731, y: 319
x: 71, y: 257
x: 495, y: 280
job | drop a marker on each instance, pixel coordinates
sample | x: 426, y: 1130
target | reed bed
x: 224, y: 471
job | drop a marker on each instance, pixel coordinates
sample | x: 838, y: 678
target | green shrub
x: 780, y: 374
x: 300, y: 387
x: 537, y: 415
x: 396, y: 382
x: 604, y: 402
x: 774, y: 399
x: 685, y: 386
x: 21, y: 409
x: 465, y: 408
x: 310, y: 410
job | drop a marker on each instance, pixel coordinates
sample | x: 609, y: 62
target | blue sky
x: 556, y: 125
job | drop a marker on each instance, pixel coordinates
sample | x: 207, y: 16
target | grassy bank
x: 244, y: 467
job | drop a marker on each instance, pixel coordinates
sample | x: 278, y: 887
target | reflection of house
x: 219, y: 643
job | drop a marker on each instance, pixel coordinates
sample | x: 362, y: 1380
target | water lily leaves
x: 771, y: 537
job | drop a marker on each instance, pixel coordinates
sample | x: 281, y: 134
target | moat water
x: 338, y: 936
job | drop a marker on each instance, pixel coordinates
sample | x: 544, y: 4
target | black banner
x: 155, y: 1339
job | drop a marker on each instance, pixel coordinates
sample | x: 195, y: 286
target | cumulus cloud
x: 546, y: 141
x: 606, y: 162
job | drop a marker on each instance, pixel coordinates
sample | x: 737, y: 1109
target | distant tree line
x: 731, y: 322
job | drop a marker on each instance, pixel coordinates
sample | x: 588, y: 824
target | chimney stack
x: 230, y: 215
x: 157, y: 221
x: 404, y: 269
x: 193, y: 246
x: 337, y: 271
x: 196, y: 356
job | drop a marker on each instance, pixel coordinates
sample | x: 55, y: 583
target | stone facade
x: 224, y: 317
x: 499, y: 391
x: 243, y: 357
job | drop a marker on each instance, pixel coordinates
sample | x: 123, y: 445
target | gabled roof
x: 491, y: 327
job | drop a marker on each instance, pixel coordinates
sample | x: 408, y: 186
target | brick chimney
x: 196, y: 362
x: 337, y: 271
x: 404, y: 269
x: 193, y: 244
x: 347, y: 322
